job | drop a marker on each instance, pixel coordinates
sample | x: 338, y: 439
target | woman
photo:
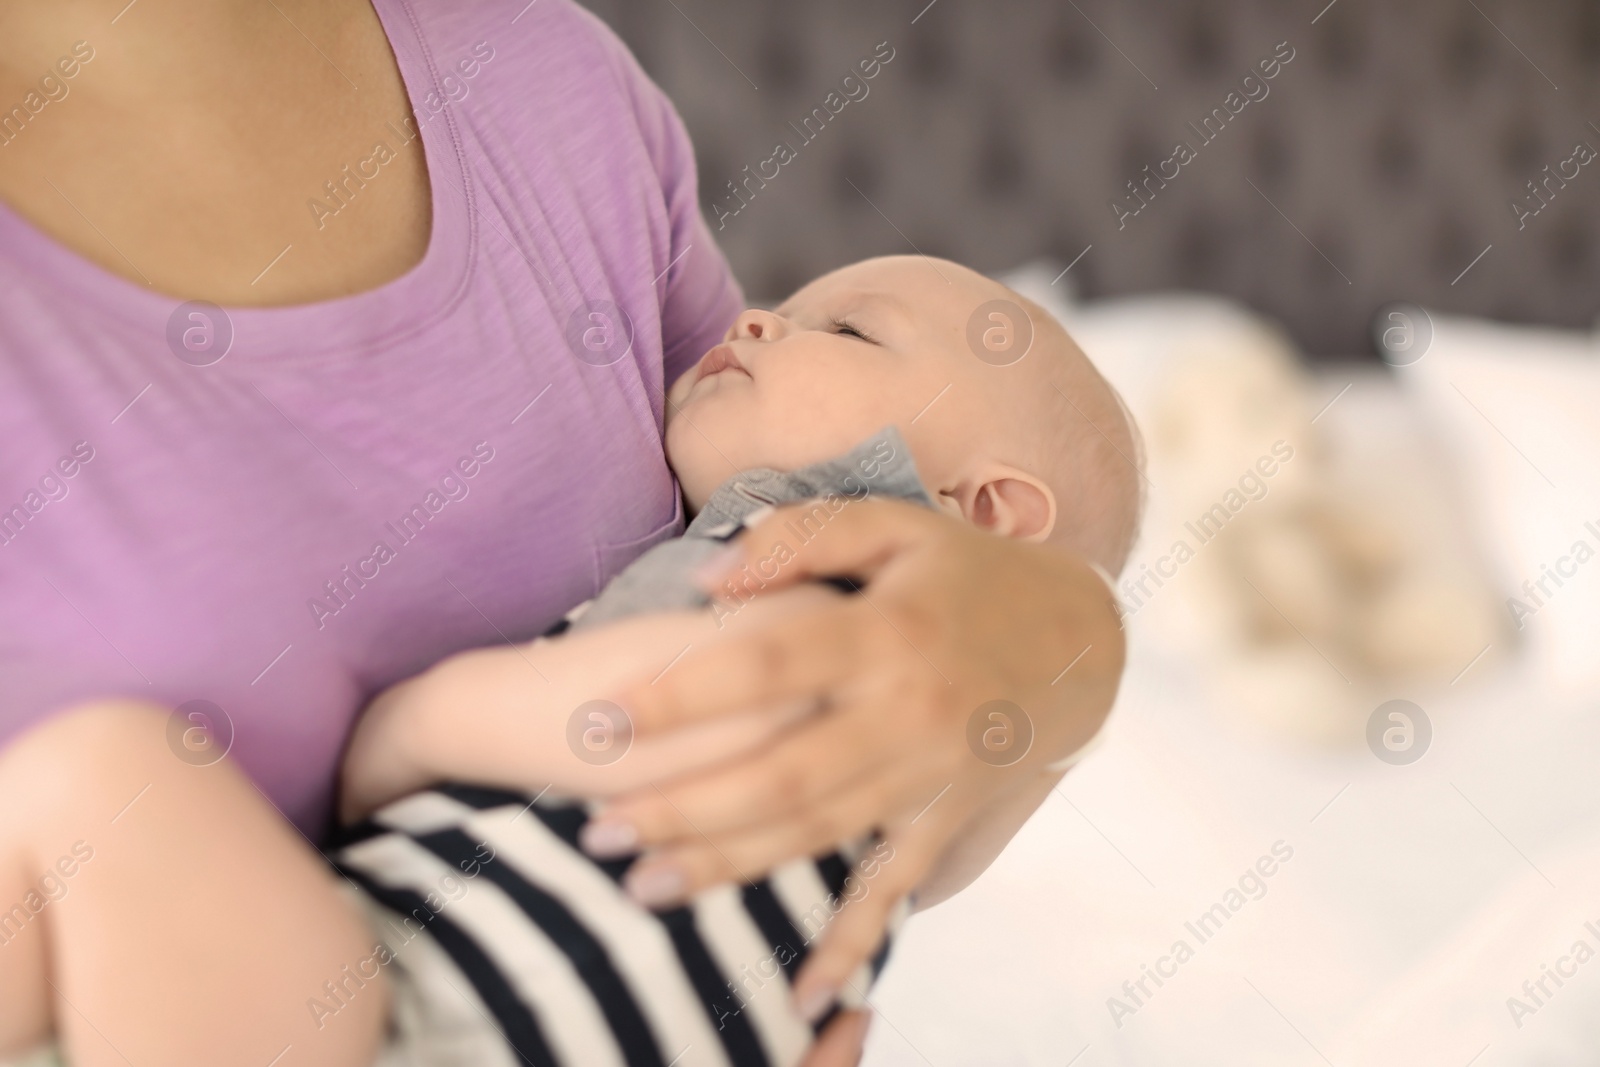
x: 462, y: 257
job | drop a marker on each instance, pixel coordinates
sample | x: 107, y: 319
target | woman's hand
x: 948, y: 619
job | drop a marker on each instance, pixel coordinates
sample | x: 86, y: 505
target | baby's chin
x: 699, y: 467
x: 714, y: 435
x: 703, y: 461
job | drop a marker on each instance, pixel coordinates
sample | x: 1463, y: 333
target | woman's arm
x: 982, y: 838
x: 501, y: 716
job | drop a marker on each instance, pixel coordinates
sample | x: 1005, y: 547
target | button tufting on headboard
x: 1382, y: 162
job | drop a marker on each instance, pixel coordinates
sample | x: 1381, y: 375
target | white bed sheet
x: 1151, y: 831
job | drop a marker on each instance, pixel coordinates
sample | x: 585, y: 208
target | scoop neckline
x: 373, y: 317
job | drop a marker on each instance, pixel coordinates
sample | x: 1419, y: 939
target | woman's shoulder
x: 549, y: 41
x: 556, y: 23
x: 550, y: 108
x: 528, y: 69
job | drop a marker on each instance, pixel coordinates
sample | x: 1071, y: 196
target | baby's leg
x: 156, y: 912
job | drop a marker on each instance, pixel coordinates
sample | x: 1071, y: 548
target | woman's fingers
x: 800, y: 656
x: 811, y: 762
x: 903, y: 859
x: 855, y: 541
x: 668, y: 875
x: 842, y: 1042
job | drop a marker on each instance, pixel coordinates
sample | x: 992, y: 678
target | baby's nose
x: 757, y: 325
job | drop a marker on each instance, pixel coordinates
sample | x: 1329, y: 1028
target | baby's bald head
x: 1009, y: 423
x: 1084, y: 439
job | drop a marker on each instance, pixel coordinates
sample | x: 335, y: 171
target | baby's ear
x: 1011, y: 503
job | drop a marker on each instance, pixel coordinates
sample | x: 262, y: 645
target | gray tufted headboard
x: 1379, y: 163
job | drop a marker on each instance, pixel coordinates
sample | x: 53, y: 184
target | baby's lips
x: 719, y: 359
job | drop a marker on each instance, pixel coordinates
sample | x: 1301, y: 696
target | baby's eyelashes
x: 848, y: 328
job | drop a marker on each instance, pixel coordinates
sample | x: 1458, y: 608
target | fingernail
x: 717, y: 566
x: 816, y: 1003
x: 656, y: 885
x: 605, y: 840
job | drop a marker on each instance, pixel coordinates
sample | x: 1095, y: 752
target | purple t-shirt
x: 359, y: 487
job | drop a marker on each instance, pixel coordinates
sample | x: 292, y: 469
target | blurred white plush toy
x: 1308, y: 577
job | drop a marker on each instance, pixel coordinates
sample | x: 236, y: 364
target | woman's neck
x: 179, y: 144
x: 155, y: 46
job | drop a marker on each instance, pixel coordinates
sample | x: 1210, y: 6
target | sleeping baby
x: 515, y: 926
x: 509, y: 921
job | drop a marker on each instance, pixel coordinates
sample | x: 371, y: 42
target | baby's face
x: 873, y: 344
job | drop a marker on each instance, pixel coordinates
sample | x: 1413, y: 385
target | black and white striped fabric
x: 510, y: 946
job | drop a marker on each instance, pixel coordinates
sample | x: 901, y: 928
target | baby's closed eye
x: 845, y: 326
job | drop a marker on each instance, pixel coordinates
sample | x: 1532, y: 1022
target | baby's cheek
x: 824, y: 425
x: 869, y: 403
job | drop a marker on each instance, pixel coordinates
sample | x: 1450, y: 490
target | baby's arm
x: 499, y: 716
